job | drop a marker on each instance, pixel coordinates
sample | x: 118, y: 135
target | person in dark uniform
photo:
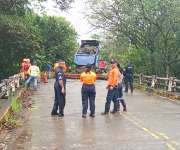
x: 59, y: 89
x: 128, y: 78
x: 88, y: 92
x: 120, y: 90
x: 49, y: 69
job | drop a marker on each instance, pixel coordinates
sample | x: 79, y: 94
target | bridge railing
x: 9, y: 85
x: 170, y: 84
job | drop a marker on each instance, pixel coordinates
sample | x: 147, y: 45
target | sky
x: 75, y: 15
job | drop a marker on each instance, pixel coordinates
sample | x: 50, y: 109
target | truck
x: 88, y: 53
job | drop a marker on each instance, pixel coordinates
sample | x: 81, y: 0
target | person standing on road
x: 112, y: 84
x: 34, y: 74
x: 49, y: 69
x: 120, y: 90
x: 128, y: 78
x: 59, y: 89
x: 25, y: 65
x: 88, y: 91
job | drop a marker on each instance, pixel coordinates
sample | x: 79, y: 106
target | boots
x: 83, y: 115
x: 92, y: 115
x: 123, y: 104
x: 54, y: 113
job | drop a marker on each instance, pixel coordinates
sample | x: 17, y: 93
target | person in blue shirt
x: 59, y: 90
x: 48, y: 69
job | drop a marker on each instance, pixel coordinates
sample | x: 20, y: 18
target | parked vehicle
x: 88, y: 53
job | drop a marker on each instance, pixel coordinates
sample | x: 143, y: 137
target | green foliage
x: 11, y: 121
x: 13, y: 7
x: 138, y: 57
x: 152, y: 25
x: 59, y: 38
x: 17, y: 40
x: 61, y: 4
x: 25, y: 34
x: 16, y: 105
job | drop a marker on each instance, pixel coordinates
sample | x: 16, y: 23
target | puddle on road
x: 21, y: 142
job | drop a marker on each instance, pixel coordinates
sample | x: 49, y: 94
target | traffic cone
x: 45, y: 77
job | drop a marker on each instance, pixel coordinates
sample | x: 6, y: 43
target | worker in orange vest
x: 112, y: 85
x: 88, y: 92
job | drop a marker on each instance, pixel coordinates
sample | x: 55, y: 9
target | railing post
x: 140, y: 78
x: 170, y: 84
x: 13, y: 87
x: 3, y: 89
x: 174, y: 84
x: 17, y: 79
x: 7, y: 88
x: 17, y: 82
x: 153, y: 81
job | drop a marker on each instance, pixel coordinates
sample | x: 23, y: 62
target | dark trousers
x: 88, y: 93
x: 111, y: 96
x: 128, y: 82
x: 120, y: 97
x: 59, y: 101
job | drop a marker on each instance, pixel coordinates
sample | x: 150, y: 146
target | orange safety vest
x: 88, y: 78
x: 113, y: 77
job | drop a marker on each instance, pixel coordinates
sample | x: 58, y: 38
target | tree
x: 59, y: 38
x: 64, y: 4
x: 152, y: 25
x: 13, y: 7
x: 17, y: 40
x: 61, y: 4
x: 25, y: 34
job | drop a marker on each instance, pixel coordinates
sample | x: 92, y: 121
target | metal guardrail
x: 9, y: 85
x: 77, y: 76
x: 170, y: 84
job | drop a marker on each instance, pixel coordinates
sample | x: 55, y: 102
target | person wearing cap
x: 34, y: 74
x: 112, y: 84
x: 59, y: 89
x: 88, y: 92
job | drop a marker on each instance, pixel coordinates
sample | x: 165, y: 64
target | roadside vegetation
x: 23, y: 33
x: 143, y: 32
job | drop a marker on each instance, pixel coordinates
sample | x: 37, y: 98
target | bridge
x: 150, y: 123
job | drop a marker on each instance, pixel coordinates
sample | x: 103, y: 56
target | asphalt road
x: 151, y: 123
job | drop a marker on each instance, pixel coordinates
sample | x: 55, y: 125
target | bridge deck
x: 151, y: 123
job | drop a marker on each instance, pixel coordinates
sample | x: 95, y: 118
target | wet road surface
x: 151, y: 123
